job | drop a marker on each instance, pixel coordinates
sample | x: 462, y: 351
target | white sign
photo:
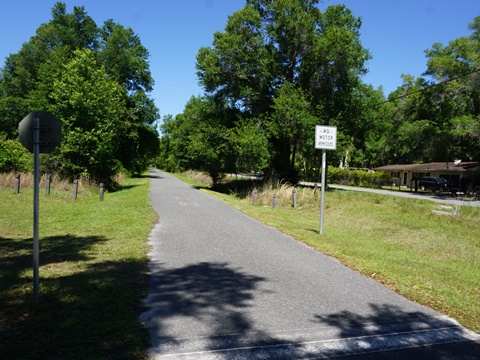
x: 326, y: 137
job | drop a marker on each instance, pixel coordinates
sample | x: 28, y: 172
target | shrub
x: 14, y: 157
x: 356, y: 177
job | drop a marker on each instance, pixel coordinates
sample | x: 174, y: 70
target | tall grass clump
x: 266, y: 192
x: 284, y: 195
x: 199, y: 177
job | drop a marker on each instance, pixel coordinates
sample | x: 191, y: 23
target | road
x: 225, y: 286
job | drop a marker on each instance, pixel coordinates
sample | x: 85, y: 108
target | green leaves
x: 250, y: 146
x: 125, y: 58
x: 239, y: 66
x: 208, y: 136
x: 13, y: 156
x: 439, y: 120
x: 90, y: 106
x: 96, y: 80
x: 289, y: 64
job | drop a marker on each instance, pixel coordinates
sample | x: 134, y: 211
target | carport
x: 452, y: 171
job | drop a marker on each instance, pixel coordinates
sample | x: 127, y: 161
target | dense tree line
x: 278, y: 69
x: 281, y: 67
x: 97, y: 81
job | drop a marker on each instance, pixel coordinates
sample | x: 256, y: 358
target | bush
x: 14, y: 157
x: 356, y: 177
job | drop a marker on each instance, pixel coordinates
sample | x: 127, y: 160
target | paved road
x: 225, y: 286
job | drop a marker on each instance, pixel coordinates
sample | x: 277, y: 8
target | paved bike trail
x: 225, y: 286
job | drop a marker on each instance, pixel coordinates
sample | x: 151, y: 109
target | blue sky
x: 395, y: 31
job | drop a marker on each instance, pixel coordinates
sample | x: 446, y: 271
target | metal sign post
x: 36, y: 205
x: 325, y: 139
x: 322, y: 197
x: 39, y: 132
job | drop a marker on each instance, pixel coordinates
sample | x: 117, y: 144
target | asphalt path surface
x: 225, y: 286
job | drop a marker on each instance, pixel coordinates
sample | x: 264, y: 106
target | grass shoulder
x: 93, y: 274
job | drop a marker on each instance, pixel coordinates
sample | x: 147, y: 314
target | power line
x: 424, y: 89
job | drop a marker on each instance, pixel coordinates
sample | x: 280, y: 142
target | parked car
x: 433, y: 183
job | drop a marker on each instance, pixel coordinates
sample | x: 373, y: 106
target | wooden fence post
x: 17, y: 183
x: 75, y: 189
x: 48, y: 180
x: 102, y: 190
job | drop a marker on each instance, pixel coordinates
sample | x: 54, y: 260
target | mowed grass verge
x: 430, y: 259
x: 93, y: 274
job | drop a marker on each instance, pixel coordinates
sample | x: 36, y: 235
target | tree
x: 250, y: 147
x: 126, y: 62
x: 271, y: 43
x: 63, y: 34
x: 208, y: 143
x: 457, y: 67
x: 291, y: 123
x: 125, y: 58
x: 437, y: 119
x: 91, y: 107
x: 173, y: 143
x: 29, y: 78
x: 239, y: 69
x: 212, y: 138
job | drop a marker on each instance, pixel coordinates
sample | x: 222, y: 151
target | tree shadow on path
x: 390, y: 332
x: 208, y: 307
x: 203, y: 307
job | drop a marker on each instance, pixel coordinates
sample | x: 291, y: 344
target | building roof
x: 435, y: 166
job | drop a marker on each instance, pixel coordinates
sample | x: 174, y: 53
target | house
x: 406, y: 174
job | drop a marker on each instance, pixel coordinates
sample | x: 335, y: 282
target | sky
x: 396, y: 32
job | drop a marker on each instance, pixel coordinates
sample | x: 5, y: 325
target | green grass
x: 430, y: 259
x: 93, y: 274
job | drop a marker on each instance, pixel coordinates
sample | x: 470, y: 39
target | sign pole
x: 325, y: 139
x: 322, y: 198
x: 36, y: 203
x: 38, y: 142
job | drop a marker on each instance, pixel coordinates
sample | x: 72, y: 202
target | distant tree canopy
x: 281, y: 67
x: 96, y: 80
x: 437, y: 118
